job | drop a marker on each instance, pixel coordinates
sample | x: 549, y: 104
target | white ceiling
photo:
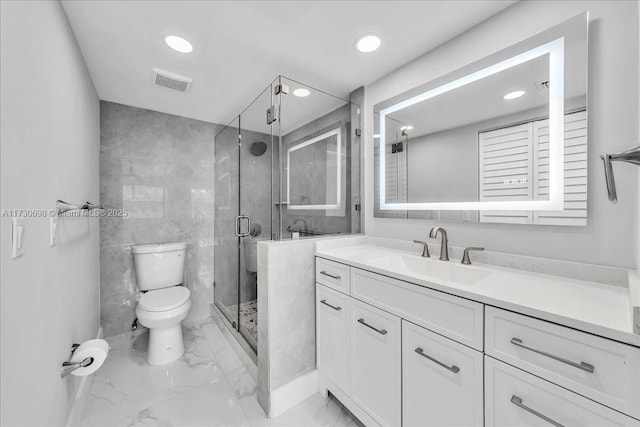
x: 241, y: 46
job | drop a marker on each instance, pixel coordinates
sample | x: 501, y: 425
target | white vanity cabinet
x: 366, y: 348
x: 398, y: 353
x: 441, y: 380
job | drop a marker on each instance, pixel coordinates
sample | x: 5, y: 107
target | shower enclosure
x: 288, y: 166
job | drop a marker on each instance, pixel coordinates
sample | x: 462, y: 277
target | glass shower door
x: 256, y: 206
x: 243, y: 213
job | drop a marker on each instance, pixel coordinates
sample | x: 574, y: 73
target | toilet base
x: 165, y: 345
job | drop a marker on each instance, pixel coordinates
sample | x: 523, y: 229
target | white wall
x: 50, y: 141
x: 610, y: 236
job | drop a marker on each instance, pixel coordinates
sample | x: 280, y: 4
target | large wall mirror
x: 501, y: 140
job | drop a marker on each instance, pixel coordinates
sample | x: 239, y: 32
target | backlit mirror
x: 314, y: 173
x: 501, y: 140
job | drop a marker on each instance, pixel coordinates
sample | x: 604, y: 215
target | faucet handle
x: 465, y: 256
x: 425, y: 248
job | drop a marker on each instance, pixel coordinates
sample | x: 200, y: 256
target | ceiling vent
x: 171, y: 80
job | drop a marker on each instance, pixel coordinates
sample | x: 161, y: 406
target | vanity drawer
x: 595, y: 367
x: 332, y: 274
x: 454, y: 317
x: 516, y: 398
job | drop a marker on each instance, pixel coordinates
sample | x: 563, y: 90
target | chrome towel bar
x: 63, y: 207
x: 631, y: 155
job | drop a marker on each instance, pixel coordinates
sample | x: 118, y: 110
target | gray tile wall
x: 160, y: 168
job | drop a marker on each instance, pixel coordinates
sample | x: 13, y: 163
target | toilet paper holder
x: 69, y: 367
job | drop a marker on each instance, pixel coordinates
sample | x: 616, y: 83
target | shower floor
x: 248, y: 319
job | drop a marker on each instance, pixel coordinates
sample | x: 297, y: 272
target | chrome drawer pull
x: 518, y: 402
x: 324, y: 301
x: 380, y: 331
x: 324, y: 273
x: 452, y: 368
x: 582, y: 365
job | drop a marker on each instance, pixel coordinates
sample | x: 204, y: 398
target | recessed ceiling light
x: 408, y: 127
x: 514, y: 95
x: 179, y: 44
x: 301, y: 92
x: 376, y: 135
x: 367, y: 43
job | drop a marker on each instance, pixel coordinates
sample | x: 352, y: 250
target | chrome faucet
x: 444, y: 242
x: 425, y: 248
x: 465, y: 256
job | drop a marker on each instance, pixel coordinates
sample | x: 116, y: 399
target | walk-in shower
x: 287, y: 167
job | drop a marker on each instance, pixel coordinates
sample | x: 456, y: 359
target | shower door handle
x: 239, y: 219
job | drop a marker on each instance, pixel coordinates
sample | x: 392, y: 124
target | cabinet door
x: 441, y: 380
x: 376, y: 362
x: 333, y: 309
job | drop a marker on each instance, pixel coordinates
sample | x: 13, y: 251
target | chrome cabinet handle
x: 324, y: 301
x: 518, y: 402
x: 330, y: 275
x: 582, y: 365
x: 452, y: 368
x: 380, y: 331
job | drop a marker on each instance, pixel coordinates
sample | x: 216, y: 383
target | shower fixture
x: 258, y: 148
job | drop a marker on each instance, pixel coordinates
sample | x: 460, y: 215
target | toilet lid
x: 164, y: 299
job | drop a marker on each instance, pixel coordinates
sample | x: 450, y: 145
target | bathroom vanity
x: 408, y: 340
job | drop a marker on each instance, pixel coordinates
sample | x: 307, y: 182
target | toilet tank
x: 159, y: 265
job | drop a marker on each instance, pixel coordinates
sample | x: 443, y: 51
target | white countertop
x: 595, y: 307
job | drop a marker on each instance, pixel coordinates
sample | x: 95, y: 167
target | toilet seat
x: 164, y: 299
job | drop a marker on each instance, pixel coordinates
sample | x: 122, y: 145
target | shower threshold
x: 248, y: 320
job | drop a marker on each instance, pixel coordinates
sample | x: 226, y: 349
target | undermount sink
x: 447, y: 271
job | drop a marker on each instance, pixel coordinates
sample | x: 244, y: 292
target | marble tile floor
x: 208, y: 386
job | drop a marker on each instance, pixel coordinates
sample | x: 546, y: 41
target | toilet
x: 165, y: 302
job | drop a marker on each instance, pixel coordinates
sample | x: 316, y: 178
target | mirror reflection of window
x: 514, y: 163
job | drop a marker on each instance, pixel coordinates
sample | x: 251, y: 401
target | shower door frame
x: 234, y: 318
